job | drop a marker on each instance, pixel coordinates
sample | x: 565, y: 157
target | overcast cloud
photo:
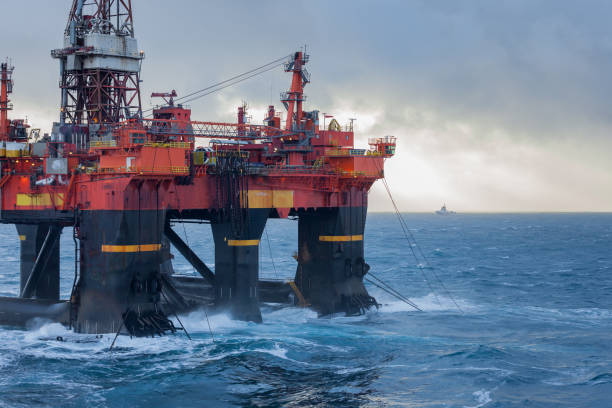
x: 498, y: 106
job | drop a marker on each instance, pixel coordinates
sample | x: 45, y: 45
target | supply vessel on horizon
x: 119, y: 181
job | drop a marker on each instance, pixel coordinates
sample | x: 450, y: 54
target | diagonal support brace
x: 42, y: 259
x: 189, y: 255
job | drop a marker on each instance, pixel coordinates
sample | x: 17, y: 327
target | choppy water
x: 536, y: 329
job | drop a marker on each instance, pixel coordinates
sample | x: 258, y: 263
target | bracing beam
x: 42, y: 259
x: 189, y: 255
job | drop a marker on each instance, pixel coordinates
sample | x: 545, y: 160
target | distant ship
x: 444, y: 211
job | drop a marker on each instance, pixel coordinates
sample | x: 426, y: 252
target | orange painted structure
x: 317, y: 166
x: 121, y: 184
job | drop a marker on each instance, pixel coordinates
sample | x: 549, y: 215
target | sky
x: 498, y: 106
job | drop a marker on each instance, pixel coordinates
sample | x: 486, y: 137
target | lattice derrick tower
x: 99, y: 64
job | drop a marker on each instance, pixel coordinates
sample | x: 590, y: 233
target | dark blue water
x: 534, y: 330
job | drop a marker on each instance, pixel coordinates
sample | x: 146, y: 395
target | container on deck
x: 39, y: 149
x: 16, y: 149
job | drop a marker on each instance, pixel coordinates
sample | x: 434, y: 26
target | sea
x: 516, y: 311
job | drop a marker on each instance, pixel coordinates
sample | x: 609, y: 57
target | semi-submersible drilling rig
x: 120, y: 181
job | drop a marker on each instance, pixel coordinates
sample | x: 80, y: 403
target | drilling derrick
x: 99, y: 64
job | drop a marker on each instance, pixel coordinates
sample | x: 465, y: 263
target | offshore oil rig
x: 120, y: 181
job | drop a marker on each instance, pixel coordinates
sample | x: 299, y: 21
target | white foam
x: 52, y: 340
x: 197, y: 322
x: 289, y: 315
x: 428, y: 303
x: 41, y: 329
x: 350, y: 370
x: 276, y: 351
x: 482, y: 398
x: 340, y: 318
x: 224, y: 324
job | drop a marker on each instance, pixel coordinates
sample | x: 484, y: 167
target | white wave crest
x: 428, y: 303
x: 482, y: 398
x: 276, y: 351
x: 198, y: 322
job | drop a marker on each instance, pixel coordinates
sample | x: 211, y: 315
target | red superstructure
x: 121, y: 181
x: 316, y: 165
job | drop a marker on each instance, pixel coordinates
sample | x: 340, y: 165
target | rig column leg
x: 120, y: 280
x: 331, y: 263
x: 32, y: 238
x: 237, y: 264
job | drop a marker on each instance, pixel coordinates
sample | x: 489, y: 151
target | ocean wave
x: 486, y: 352
x: 276, y: 351
x: 249, y: 389
x: 604, y: 378
x: 470, y: 370
x: 198, y: 322
x: 581, y: 376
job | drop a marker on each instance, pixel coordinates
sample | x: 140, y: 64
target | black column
x: 32, y: 238
x: 120, y: 280
x: 331, y: 263
x: 237, y: 263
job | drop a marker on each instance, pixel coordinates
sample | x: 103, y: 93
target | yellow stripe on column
x: 22, y: 237
x: 242, y: 242
x: 340, y: 238
x: 131, y: 248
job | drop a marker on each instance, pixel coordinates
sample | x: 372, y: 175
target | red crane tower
x: 5, y: 105
x: 294, y: 98
x: 10, y: 130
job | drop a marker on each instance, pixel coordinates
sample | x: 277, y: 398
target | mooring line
x: 393, y: 294
x: 408, y: 235
x: 176, y: 315
x: 393, y: 291
x: 271, y: 256
x: 209, y: 328
x: 118, y: 331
